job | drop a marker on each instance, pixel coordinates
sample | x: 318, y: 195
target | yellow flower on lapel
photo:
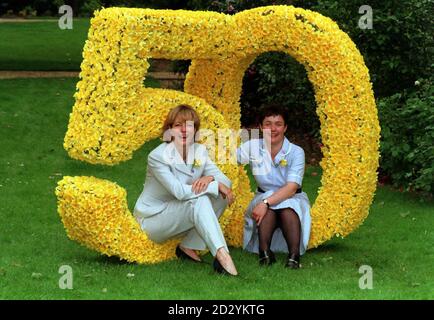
x: 283, y: 163
x: 196, y: 163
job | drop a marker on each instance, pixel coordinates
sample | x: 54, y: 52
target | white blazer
x: 169, y: 178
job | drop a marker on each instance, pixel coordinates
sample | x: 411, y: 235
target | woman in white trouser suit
x: 185, y: 193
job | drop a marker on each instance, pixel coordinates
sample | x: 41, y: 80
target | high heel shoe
x: 220, y: 269
x: 293, y: 261
x: 266, y: 257
x: 182, y: 255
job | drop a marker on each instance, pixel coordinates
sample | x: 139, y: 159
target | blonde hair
x: 185, y: 113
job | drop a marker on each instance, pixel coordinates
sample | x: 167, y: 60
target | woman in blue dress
x: 278, y: 217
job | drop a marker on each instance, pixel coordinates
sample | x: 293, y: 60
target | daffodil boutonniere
x: 197, y: 163
x: 283, y: 163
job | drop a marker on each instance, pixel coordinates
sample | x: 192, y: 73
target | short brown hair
x: 186, y: 113
x: 272, y: 109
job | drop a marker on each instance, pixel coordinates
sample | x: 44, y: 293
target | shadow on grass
x: 329, y: 248
x: 113, y: 260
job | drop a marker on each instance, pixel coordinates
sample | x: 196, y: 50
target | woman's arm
x: 294, y: 179
x: 180, y: 191
x: 212, y: 170
x: 287, y: 191
x: 278, y: 196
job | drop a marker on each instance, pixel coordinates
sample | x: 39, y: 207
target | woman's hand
x: 226, y: 193
x: 201, y: 184
x: 259, y: 212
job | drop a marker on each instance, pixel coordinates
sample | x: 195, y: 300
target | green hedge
x: 81, y: 8
x: 277, y: 77
x: 398, y: 49
x: 407, y: 137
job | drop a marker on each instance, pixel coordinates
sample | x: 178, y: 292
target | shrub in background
x: 407, y: 139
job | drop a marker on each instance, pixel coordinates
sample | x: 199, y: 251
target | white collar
x: 284, y: 150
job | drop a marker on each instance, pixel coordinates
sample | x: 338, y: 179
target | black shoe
x: 182, y: 255
x: 293, y: 261
x: 266, y: 258
x: 219, y: 268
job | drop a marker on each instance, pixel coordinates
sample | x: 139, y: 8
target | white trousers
x: 196, y: 218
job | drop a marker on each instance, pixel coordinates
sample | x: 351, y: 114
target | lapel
x: 195, y: 161
x: 176, y: 160
x: 199, y: 161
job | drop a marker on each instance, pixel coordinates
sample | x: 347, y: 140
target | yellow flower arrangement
x: 114, y: 115
x: 283, y: 163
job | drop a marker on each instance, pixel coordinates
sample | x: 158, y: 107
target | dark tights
x: 285, y: 219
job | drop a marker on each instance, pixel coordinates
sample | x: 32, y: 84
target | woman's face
x: 183, y: 131
x: 275, y: 126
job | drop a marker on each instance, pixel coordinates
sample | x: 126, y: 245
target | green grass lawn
x: 42, y: 45
x: 396, y: 240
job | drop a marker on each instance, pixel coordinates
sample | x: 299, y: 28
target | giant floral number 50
x: 114, y: 115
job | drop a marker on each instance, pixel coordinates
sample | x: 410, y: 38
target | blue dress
x: 288, y: 166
